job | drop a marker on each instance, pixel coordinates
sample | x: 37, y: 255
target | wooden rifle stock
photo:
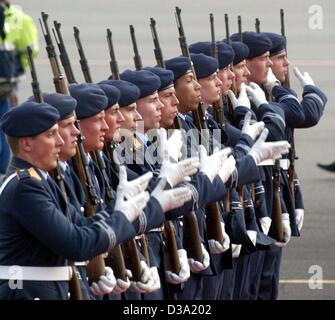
x: 129, y: 253
x: 276, y: 230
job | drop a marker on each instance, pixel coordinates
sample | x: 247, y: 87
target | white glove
x: 236, y: 250
x: 121, y: 285
x: 133, y: 207
x: 173, y: 198
x: 265, y: 224
x: 210, y: 165
x: 299, y: 218
x: 252, y: 234
x: 169, y: 149
x: 262, y: 150
x: 157, y: 281
x: 256, y: 94
x: 242, y: 101
x: 228, y: 167
x: 215, y: 247
x: 106, y: 283
x: 184, y: 272
x: 304, y: 79
x: 285, y: 218
x: 147, y: 281
x: 252, y: 130
x: 271, y: 81
x: 133, y: 187
x: 176, y: 173
x: 197, y: 266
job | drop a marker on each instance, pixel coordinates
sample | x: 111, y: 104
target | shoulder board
x: 137, y: 145
x: 28, y: 173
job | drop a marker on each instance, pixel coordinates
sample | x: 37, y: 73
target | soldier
x: 33, y: 211
x: 312, y: 107
x: 274, y: 116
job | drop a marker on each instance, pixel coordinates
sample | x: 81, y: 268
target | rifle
x: 213, y: 220
x: 96, y: 266
x: 291, y: 154
x: 131, y: 256
x: 171, y: 249
x: 113, y: 63
x: 218, y: 109
x: 74, y: 283
x: 137, y: 57
x: 257, y: 25
x: 157, y: 48
x: 229, y: 104
x: 83, y: 61
x: 96, y: 156
x: 115, y: 258
x: 276, y: 230
x: 239, y: 24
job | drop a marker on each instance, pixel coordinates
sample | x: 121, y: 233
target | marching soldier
x: 50, y: 239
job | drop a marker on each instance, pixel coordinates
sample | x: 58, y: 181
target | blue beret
x: 257, y: 43
x: 112, y: 93
x: 166, y: 76
x: 91, y: 99
x: 278, y: 42
x: 179, y: 66
x: 241, y: 51
x: 129, y: 93
x: 225, y: 52
x: 145, y: 80
x: 64, y: 103
x: 29, y: 119
x: 204, y: 65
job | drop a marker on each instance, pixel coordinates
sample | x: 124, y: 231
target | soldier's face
x: 94, y: 130
x: 43, y: 150
x: 169, y: 99
x: 227, y: 77
x: 242, y: 73
x: 69, y: 134
x: 280, y: 66
x: 259, y: 67
x: 150, y: 108
x: 187, y: 92
x: 131, y: 116
x: 114, y: 119
x: 210, y: 89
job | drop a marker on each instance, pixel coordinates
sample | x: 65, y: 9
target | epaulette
x: 137, y: 145
x: 27, y: 173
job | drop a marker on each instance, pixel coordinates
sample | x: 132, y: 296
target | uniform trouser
x: 256, y: 265
x: 270, y: 274
x: 211, y: 286
x: 242, y: 278
x: 226, y: 290
x: 4, y: 148
x: 193, y: 288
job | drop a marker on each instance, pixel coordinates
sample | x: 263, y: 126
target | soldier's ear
x: 25, y: 144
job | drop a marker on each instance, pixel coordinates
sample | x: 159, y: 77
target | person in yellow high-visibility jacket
x: 17, y: 31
